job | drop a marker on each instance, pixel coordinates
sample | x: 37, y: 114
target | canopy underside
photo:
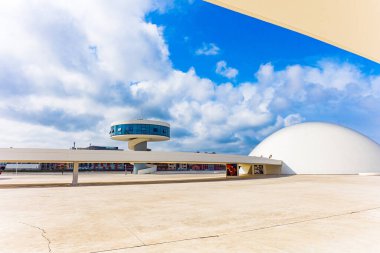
x: 353, y: 25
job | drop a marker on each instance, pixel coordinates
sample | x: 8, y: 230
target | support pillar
x: 138, y: 145
x: 75, y: 174
x: 138, y: 166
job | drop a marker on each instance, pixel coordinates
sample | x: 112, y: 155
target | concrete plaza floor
x: 282, y: 214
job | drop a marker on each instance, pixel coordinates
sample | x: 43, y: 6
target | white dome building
x: 321, y: 148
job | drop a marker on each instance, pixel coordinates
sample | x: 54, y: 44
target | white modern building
x: 321, y: 148
x: 138, y: 133
x: 307, y: 148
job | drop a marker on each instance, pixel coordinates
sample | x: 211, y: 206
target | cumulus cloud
x: 69, y: 66
x: 67, y: 70
x: 224, y: 70
x: 208, y: 49
x: 293, y: 119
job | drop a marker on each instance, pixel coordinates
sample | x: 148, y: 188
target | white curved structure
x: 321, y: 148
x: 348, y: 24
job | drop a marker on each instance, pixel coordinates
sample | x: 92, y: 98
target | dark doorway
x: 258, y: 169
x: 231, y: 170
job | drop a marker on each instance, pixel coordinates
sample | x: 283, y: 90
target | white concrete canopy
x: 13, y: 155
x: 352, y: 25
x: 20, y: 155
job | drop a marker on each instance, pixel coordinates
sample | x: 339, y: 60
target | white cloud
x: 330, y: 75
x: 265, y: 73
x: 375, y: 84
x: 293, y: 119
x: 74, y: 63
x: 208, y: 49
x: 222, y: 69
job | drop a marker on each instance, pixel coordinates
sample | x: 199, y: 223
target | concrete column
x: 140, y: 145
x: 75, y: 174
x: 138, y: 166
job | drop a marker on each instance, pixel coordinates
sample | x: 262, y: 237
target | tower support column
x: 139, y: 145
x: 138, y: 166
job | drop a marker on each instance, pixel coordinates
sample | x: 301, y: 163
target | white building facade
x: 321, y: 148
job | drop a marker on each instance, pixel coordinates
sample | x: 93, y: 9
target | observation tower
x: 138, y: 133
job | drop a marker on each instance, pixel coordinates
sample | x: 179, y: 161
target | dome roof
x: 321, y: 148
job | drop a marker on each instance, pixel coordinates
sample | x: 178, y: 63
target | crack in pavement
x: 242, y: 231
x: 43, y: 234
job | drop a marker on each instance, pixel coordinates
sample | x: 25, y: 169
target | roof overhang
x: 21, y: 155
x: 352, y: 25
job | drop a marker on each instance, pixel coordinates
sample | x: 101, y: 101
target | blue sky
x: 223, y: 80
x: 244, y: 42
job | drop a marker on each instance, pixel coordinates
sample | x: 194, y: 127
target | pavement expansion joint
x: 43, y: 234
x: 159, y: 243
x: 138, y: 238
x: 303, y: 221
x: 242, y: 231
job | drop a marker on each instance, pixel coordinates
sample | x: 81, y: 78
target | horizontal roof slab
x: 20, y: 155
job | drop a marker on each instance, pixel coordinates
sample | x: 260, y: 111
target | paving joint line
x: 159, y: 243
x: 242, y: 231
x: 138, y: 238
x: 303, y: 221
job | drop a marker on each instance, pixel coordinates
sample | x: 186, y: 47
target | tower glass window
x: 131, y: 129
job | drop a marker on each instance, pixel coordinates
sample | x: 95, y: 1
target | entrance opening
x: 231, y: 170
x: 258, y: 169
